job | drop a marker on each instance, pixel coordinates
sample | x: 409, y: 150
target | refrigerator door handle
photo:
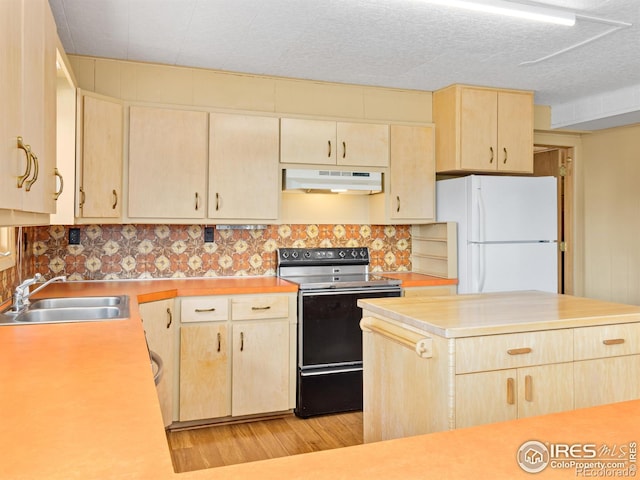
x: 481, y: 215
x: 482, y: 274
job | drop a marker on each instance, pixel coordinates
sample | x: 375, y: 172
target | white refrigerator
x: 507, y: 231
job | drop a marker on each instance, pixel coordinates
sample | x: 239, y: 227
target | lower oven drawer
x: 334, y: 391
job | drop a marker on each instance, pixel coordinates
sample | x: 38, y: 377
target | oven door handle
x: 315, y: 373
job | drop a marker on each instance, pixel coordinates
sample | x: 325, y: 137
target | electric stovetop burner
x: 329, y: 268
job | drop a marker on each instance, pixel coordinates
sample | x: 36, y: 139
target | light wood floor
x: 216, y: 446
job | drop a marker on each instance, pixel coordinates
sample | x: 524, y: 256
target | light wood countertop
x: 488, y: 314
x: 78, y: 401
x: 412, y: 279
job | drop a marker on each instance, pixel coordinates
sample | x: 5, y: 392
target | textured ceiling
x: 393, y: 43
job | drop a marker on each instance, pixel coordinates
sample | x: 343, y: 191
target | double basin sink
x: 69, y: 309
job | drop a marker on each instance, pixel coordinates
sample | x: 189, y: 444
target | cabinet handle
x: 170, y: 317
x: 219, y: 341
x: 614, y: 341
x: 344, y: 149
x: 36, y: 170
x: 511, y: 398
x: 197, y: 201
x: 115, y: 200
x: 519, y: 351
x: 241, y: 341
x: 204, y: 310
x: 217, y: 201
x: 528, y: 388
x: 261, y: 308
x: 505, y: 155
x: 398, y: 203
x: 27, y: 152
x: 329, y: 153
x: 491, y: 158
x: 83, y: 197
x: 56, y: 172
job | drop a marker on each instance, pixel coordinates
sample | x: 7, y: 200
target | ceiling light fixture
x: 519, y: 10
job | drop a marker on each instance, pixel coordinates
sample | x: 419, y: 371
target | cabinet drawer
x: 204, y: 309
x: 606, y: 341
x: 496, y: 352
x: 252, y: 308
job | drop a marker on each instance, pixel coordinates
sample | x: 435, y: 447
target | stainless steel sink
x: 75, y: 302
x: 69, y: 309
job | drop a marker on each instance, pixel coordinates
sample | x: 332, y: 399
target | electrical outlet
x: 208, y: 234
x: 74, y: 236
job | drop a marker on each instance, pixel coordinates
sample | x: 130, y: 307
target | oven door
x: 329, y: 326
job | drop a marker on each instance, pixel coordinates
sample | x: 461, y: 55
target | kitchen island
x: 440, y: 363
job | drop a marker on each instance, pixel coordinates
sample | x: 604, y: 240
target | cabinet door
x: 168, y: 155
x: 260, y: 367
x: 12, y: 160
x: 606, y: 380
x: 515, y: 132
x: 486, y: 397
x: 159, y: 328
x: 100, y: 193
x: 28, y: 106
x: 362, y: 144
x: 413, y: 173
x: 205, y: 384
x: 545, y: 389
x: 307, y: 141
x: 243, y: 167
x: 478, y: 129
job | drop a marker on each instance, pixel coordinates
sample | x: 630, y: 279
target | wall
x: 163, y: 84
x: 611, y: 162
x: 163, y: 251
x: 11, y: 277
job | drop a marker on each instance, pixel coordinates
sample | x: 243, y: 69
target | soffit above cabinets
x: 407, y: 44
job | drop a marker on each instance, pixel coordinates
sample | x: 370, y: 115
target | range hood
x: 331, y: 181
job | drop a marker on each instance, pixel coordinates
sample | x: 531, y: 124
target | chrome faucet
x: 21, y: 294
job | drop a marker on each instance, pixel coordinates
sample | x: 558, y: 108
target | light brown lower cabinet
x: 237, y: 356
x: 502, y: 395
x: 607, y: 380
x: 205, y: 378
x: 260, y: 369
x: 158, y: 320
x: 488, y: 378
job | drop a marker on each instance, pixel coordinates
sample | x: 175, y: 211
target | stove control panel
x: 323, y: 256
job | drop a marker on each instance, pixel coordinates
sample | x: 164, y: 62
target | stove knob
x: 341, y: 254
x: 294, y: 254
x: 363, y: 253
x: 354, y: 254
x: 307, y: 254
x: 285, y: 254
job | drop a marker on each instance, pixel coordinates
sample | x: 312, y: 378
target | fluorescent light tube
x: 518, y: 10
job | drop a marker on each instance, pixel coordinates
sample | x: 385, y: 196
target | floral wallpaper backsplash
x: 109, y: 252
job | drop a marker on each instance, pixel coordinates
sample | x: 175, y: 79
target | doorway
x: 558, y: 162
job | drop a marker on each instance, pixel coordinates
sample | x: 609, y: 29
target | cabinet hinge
x: 563, y: 246
x: 562, y: 171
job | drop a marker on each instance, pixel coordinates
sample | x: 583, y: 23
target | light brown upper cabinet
x: 409, y: 195
x: 483, y: 130
x: 413, y: 173
x: 28, y: 99
x: 101, y: 134
x: 323, y: 142
x: 243, y: 167
x: 168, y: 155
